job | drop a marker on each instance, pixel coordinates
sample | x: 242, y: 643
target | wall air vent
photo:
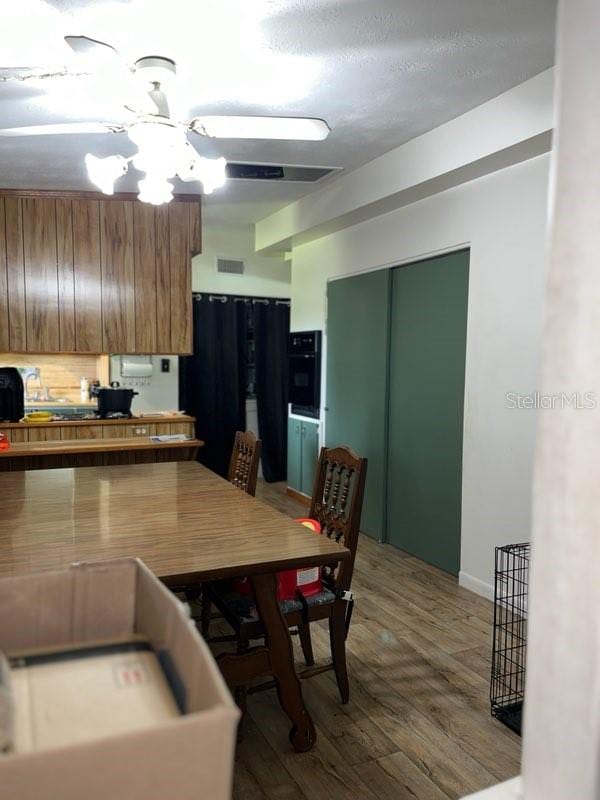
x: 229, y: 266
x: 277, y: 172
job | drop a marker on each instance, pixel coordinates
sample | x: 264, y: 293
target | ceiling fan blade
x: 292, y: 128
x: 104, y: 60
x: 101, y: 58
x: 84, y: 46
x: 23, y: 74
x: 60, y: 128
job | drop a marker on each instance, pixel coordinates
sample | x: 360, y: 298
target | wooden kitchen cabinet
x: 15, y: 275
x: 94, y: 430
x: 79, y: 274
x: 86, y: 269
x: 40, y: 273
x: 118, y: 277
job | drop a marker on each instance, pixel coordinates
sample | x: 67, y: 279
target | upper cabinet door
x: 4, y: 332
x: 181, y: 278
x: 15, y: 274
x: 118, y: 276
x: 87, y: 275
x: 96, y: 276
x: 65, y: 275
x: 41, y: 275
x: 144, y: 256
x: 163, y: 280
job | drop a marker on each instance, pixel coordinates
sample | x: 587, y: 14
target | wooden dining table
x: 188, y: 525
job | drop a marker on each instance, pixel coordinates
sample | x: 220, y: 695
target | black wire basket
x: 510, y: 634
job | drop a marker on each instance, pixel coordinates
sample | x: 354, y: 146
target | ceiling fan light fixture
x: 152, y: 135
x: 155, y: 190
x: 158, y: 165
x: 103, y: 172
x: 159, y: 147
x: 188, y: 167
x: 212, y: 172
x: 163, y: 151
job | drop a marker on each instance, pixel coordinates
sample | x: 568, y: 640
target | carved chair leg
x: 241, y: 692
x: 349, y: 611
x: 337, y: 637
x: 205, y: 613
x: 281, y: 656
x: 306, y: 644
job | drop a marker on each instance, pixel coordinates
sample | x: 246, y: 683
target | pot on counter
x: 114, y: 400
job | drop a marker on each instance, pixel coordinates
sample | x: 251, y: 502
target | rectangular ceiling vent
x: 230, y: 266
x: 288, y: 173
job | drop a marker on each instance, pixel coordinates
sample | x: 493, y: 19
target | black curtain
x: 212, y: 382
x: 271, y: 333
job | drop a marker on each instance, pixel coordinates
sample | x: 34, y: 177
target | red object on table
x: 291, y: 582
x: 4, y: 443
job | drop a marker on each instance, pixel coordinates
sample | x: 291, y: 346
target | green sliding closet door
x: 426, y: 398
x: 356, y: 402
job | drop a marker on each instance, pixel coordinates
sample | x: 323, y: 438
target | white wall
x: 502, y: 217
x: 265, y: 276
x: 510, y: 128
x: 158, y: 393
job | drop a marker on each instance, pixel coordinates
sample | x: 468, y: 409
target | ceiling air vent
x: 229, y: 266
x: 277, y: 172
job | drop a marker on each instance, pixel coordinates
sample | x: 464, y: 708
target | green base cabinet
x: 294, y: 462
x: 303, y: 453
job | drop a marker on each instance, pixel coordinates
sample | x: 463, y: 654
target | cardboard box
x: 161, y: 753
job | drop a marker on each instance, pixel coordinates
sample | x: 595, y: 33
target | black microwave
x: 305, y: 373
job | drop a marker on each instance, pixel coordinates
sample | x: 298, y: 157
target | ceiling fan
x: 163, y: 148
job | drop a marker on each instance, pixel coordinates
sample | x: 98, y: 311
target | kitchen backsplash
x: 61, y: 374
x: 157, y: 390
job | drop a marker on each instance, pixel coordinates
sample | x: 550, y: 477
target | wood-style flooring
x: 418, y: 725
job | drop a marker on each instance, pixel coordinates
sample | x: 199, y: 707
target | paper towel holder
x: 136, y: 367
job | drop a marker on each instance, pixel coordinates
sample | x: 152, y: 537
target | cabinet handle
x: 297, y: 428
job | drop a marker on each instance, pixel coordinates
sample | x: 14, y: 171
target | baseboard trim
x: 475, y: 585
x: 298, y: 496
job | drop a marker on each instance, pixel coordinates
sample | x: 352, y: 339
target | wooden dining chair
x: 243, y: 473
x: 245, y: 458
x: 337, y: 505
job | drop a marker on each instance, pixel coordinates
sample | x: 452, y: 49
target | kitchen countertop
x: 97, y: 446
x: 60, y: 404
x: 150, y: 420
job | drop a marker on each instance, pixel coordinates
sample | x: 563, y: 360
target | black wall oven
x: 305, y: 373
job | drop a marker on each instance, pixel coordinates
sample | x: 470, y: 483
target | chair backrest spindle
x: 245, y: 458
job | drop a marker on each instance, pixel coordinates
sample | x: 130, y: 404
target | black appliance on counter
x: 114, y: 402
x: 12, y: 395
x: 305, y: 373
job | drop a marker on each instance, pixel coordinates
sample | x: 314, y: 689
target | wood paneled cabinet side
x: 4, y: 332
x: 83, y: 274
x: 181, y: 278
